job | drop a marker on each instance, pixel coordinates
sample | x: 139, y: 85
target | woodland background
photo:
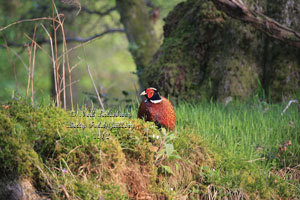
x: 193, y: 52
x: 231, y: 69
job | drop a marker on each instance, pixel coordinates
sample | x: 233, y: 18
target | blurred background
x: 189, y: 50
x: 111, y: 64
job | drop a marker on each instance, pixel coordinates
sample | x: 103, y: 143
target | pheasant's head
x: 152, y: 95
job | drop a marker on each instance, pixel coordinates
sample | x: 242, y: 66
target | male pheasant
x: 158, y: 109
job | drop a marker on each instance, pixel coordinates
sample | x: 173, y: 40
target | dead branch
x: 53, y: 62
x: 38, y: 46
x: 82, y: 40
x: 87, y: 10
x: 56, y: 51
x: 67, y: 85
x: 238, y: 10
x: 75, y: 39
x: 88, y: 68
x: 288, y: 105
x: 32, y: 74
x: 64, y: 55
x: 11, y: 62
x: 85, y: 43
x: 26, y: 20
x: 20, y: 58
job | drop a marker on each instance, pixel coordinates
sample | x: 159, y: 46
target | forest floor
x: 246, y: 150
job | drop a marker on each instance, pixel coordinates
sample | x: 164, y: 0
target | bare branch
x: 289, y: 104
x: 88, y: 68
x: 238, y: 10
x: 63, y: 89
x: 82, y: 40
x: 53, y: 62
x: 32, y: 73
x: 75, y: 39
x: 26, y: 20
x: 89, y: 11
x: 67, y: 58
x: 83, y: 43
x: 20, y: 58
x: 38, y: 45
x: 12, y: 63
x: 74, y: 66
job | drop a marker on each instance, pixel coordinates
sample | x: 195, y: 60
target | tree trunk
x: 238, y: 10
x: 207, y: 53
x: 140, y: 33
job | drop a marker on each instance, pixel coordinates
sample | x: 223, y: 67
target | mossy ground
x: 132, y: 164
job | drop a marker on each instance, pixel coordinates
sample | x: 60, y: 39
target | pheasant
x: 158, y: 109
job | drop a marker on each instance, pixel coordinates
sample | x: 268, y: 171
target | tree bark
x: 139, y: 31
x: 206, y: 54
x: 238, y: 10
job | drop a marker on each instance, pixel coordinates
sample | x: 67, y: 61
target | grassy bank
x: 254, y: 141
x: 216, y: 151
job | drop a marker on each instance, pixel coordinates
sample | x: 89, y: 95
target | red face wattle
x: 150, y: 93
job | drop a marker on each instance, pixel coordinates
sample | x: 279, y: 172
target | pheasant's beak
x: 143, y: 93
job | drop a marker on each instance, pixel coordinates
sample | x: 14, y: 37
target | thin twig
x: 53, y: 62
x: 30, y: 63
x: 37, y: 45
x: 85, y: 9
x: 32, y: 74
x: 64, y: 80
x: 68, y: 85
x: 88, y: 68
x: 89, y: 40
x: 66, y: 49
x: 56, y: 51
x: 11, y: 62
x: 19, y: 58
x: 82, y: 40
x: 29, y: 50
x: 289, y: 104
x: 32, y: 67
x: 25, y: 20
x: 76, y: 65
x: 71, y: 39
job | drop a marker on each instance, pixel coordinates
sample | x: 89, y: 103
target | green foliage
x: 245, y: 138
x: 35, y: 140
x: 231, y: 150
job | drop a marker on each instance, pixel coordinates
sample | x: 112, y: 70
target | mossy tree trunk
x: 207, y: 53
x: 139, y: 31
x: 282, y: 67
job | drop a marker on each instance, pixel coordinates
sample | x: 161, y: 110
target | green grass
x: 228, y: 150
x: 248, y: 130
x: 246, y: 137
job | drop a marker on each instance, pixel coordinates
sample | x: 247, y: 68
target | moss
x: 284, y: 79
x: 206, y: 54
x: 235, y: 77
x: 35, y: 144
x: 71, y: 163
x: 181, y: 56
x: 16, y: 154
x: 185, y: 62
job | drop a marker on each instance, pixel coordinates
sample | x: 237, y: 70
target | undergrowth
x: 215, y: 152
